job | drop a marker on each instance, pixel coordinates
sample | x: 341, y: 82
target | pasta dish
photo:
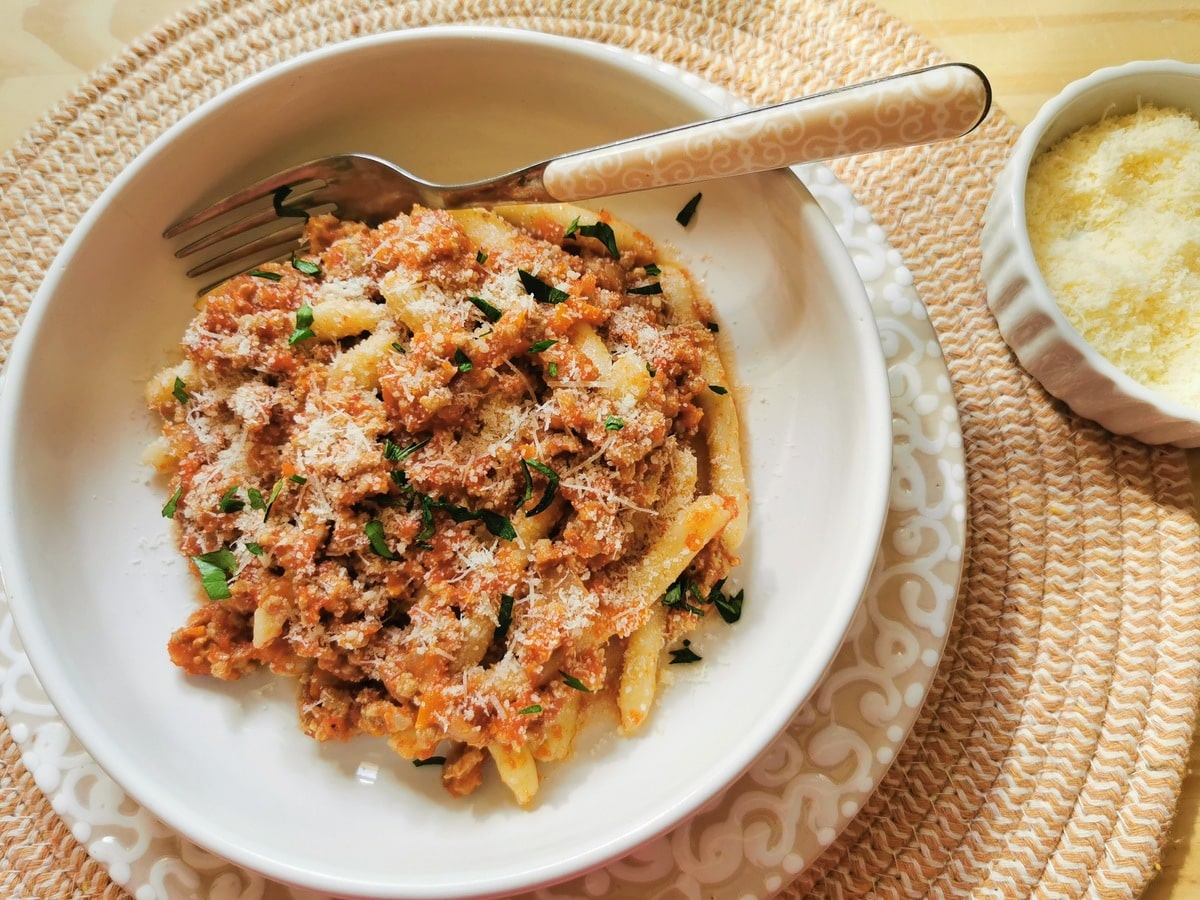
x: 466, y: 475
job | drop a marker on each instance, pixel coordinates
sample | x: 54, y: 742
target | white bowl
x: 96, y: 587
x: 1047, y: 344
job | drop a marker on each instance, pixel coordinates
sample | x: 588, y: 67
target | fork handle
x: 933, y: 104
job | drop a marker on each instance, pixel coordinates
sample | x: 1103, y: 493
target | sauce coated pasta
x: 465, y: 475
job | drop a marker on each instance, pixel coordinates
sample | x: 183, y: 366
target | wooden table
x: 1029, y: 48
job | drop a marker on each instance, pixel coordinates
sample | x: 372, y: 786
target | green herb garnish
x: 305, y: 266
x: 257, y: 501
x: 297, y: 479
x: 396, y: 453
x: 396, y: 346
x: 216, y: 568
x: 551, y: 485
x: 426, y: 532
x: 613, y: 423
x: 540, y: 290
x: 254, y: 548
x: 491, y: 313
x: 180, y: 391
x: 374, y: 531
x: 498, y: 525
x: 676, y: 596
x: 653, y: 287
x: 530, y: 710
x: 653, y: 269
x: 304, y: 320
x: 717, y: 389
x: 462, y: 361
x: 572, y: 682
x: 503, y: 617
x: 552, y: 370
x: 542, y: 345
x: 481, y: 257
x: 284, y: 211
x: 430, y: 761
x: 684, y: 654
x: 602, y: 232
x: 263, y: 273
x: 230, y: 503
x: 729, y: 606
x: 171, y: 505
x: 689, y: 209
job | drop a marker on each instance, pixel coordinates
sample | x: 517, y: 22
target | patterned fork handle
x: 934, y: 104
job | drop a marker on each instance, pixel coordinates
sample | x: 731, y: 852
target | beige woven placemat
x: 1048, y: 758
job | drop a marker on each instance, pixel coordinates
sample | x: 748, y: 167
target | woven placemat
x: 1048, y: 758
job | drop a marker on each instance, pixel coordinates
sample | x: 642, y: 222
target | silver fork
x: 933, y: 104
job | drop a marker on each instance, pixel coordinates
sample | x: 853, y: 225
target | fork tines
x: 284, y: 200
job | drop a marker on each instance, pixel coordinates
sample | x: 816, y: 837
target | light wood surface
x: 1029, y: 48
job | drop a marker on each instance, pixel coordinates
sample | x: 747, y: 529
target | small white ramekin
x: 1047, y: 344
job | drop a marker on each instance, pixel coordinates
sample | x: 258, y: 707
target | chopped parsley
x: 426, y: 532
x: 676, y: 596
x: 263, y: 273
x: 216, y: 568
x: 653, y: 287
x: 254, y: 548
x: 542, y: 345
x: 491, y: 313
x: 653, y: 269
x: 503, y: 617
x: 717, y: 389
x: 306, y: 266
x: 481, y: 257
x: 284, y: 211
x: 540, y: 290
x: 304, y: 320
x: 498, y: 525
x: 180, y: 391
x: 374, y: 532
x: 730, y: 607
x: 462, y: 361
x: 552, y: 370
x: 230, y: 503
x: 397, y: 347
x: 551, y: 485
x: 532, y: 710
x: 168, y: 510
x: 572, y: 682
x: 297, y: 479
x: 684, y: 654
x: 684, y: 217
x: 396, y: 453
x: 601, y: 231
x: 613, y: 423
x: 430, y: 761
x: 257, y: 501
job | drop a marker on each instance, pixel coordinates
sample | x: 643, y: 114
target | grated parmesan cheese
x: 1112, y: 213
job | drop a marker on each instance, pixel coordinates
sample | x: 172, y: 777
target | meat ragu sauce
x: 463, y: 474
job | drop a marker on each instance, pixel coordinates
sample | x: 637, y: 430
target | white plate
x: 796, y: 798
x: 226, y: 764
